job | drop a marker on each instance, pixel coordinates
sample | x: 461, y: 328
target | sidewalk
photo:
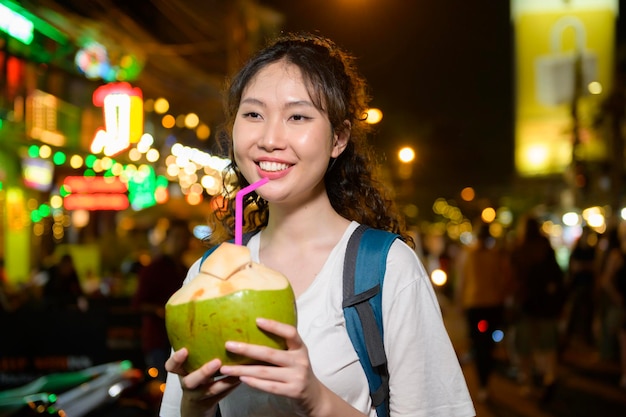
x: 586, y: 386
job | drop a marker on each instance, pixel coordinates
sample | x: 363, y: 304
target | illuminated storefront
x: 63, y: 168
x: 564, y: 66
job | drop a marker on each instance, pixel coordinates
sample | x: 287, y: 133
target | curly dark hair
x: 337, y: 89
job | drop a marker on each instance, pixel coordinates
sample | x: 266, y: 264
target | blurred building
x: 568, y: 146
x: 108, y: 109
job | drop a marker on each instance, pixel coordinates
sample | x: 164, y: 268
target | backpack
x: 363, y: 274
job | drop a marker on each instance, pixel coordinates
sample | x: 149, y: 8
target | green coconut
x: 223, y: 302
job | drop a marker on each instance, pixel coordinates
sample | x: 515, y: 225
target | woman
x: 295, y: 115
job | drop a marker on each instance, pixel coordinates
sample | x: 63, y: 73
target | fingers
x: 286, y: 331
x: 175, y: 362
x: 269, y: 355
x: 291, y: 375
x: 216, y: 389
x: 202, y: 375
x: 198, y: 401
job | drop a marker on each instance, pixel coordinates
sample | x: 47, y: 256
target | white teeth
x: 272, y: 166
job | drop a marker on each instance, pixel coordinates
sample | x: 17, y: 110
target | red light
x: 14, y: 75
x: 115, y: 88
x: 483, y: 325
x: 78, y: 184
x: 96, y: 202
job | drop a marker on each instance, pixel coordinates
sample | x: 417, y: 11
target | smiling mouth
x: 273, y: 166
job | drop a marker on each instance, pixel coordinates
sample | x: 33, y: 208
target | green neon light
x: 10, y: 10
x: 35, y: 216
x: 33, y: 151
x: 16, y: 25
x: 63, y: 191
x: 44, y: 210
x: 90, y: 160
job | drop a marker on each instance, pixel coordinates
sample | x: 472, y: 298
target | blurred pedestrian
x: 609, y: 310
x: 613, y: 286
x: 157, y: 281
x: 6, y: 304
x: 581, y: 283
x: 3, y: 274
x: 483, y: 288
x: 539, y: 299
x: 62, y: 289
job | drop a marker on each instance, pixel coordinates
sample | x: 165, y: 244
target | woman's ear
x: 340, y: 139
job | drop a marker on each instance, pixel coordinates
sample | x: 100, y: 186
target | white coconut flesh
x: 227, y: 270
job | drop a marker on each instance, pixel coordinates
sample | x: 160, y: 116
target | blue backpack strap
x: 363, y: 274
x: 244, y: 241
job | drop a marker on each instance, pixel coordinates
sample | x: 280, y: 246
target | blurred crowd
x: 513, y: 291
x: 64, y: 280
x: 56, y: 285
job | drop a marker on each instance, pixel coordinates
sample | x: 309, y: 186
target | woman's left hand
x: 291, y: 376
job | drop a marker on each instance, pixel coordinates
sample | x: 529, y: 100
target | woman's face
x: 279, y: 134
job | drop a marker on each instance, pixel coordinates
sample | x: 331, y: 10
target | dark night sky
x: 441, y: 71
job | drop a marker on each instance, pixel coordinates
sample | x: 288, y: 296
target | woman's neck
x: 305, y: 222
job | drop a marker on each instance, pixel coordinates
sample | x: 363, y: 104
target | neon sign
x: 95, y: 193
x: 94, y: 61
x: 141, y: 188
x: 16, y: 25
x: 123, y: 118
x: 37, y: 173
x: 93, y: 202
x: 76, y: 184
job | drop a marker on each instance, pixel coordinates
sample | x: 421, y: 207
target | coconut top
x: 227, y: 270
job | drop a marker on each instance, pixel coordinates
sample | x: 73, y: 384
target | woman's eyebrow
x: 295, y: 103
x: 252, y: 100
x: 299, y: 103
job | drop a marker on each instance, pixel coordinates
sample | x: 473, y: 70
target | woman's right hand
x: 202, y: 390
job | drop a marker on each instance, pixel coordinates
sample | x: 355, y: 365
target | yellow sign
x: 564, y: 62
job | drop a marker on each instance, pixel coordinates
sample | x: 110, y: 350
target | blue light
x: 497, y: 335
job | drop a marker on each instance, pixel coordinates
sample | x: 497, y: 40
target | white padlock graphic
x: 555, y: 73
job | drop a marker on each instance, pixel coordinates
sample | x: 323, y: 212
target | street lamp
x: 374, y: 116
x: 406, y: 156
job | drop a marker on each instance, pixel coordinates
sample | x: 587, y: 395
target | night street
x: 586, y: 386
x: 351, y: 162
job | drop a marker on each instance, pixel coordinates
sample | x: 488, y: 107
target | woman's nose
x: 273, y: 135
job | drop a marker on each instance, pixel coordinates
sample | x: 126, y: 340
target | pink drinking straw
x: 239, y: 207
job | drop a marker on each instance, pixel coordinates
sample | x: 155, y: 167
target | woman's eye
x: 299, y: 117
x: 251, y: 115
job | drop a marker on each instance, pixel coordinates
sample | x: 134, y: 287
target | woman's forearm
x: 331, y: 405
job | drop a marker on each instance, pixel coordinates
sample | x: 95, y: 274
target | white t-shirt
x: 425, y: 375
